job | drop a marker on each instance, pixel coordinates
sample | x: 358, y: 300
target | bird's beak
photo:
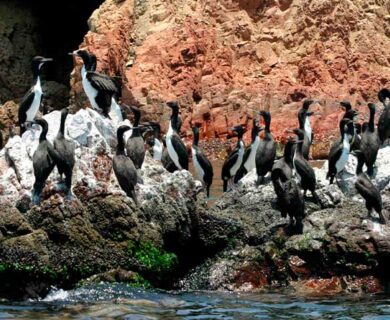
x: 47, y: 59
x: 74, y: 53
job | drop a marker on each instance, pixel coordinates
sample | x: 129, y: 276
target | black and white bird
x: 154, y: 141
x: 266, y: 151
x: 384, y: 119
x: 369, y: 144
x: 166, y: 159
x: 98, y: 87
x: 305, y: 125
x: 63, y: 153
x: 43, y: 163
x: 249, y: 159
x: 31, y: 102
x: 370, y: 194
x: 176, y: 149
x: 124, y: 168
x: 135, y: 143
x: 339, y: 151
x: 234, y: 161
x: 351, y: 114
x: 202, y: 165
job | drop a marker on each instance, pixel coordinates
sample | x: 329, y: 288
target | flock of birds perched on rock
x: 361, y: 140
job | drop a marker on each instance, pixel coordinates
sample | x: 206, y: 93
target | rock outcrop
x: 60, y: 242
x: 340, y: 249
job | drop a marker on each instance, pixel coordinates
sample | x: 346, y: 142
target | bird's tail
x: 225, y: 184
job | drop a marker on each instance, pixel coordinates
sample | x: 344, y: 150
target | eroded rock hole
x: 40, y: 27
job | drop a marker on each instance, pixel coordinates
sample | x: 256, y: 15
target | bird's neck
x: 299, y: 148
x: 120, y: 149
x: 195, y: 140
x: 287, y: 154
x: 62, y: 124
x: 174, y: 121
x: 239, y: 142
x: 43, y: 135
x: 267, y: 127
x: 371, y: 125
x: 254, y: 135
x: 83, y: 72
x: 301, y: 120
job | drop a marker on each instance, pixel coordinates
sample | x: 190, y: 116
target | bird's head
x: 346, y: 105
x: 38, y: 62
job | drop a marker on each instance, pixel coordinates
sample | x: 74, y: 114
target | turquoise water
x: 118, y: 301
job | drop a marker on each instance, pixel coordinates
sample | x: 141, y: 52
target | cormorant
x: 304, y: 124
x: 371, y: 194
x: 202, y: 165
x: 98, y: 87
x: 370, y: 143
x: 351, y: 114
x: 29, y: 106
x: 249, y: 159
x: 234, y: 160
x: 289, y: 197
x: 154, y: 142
x: 305, y: 172
x: 384, y: 119
x: 176, y: 149
x: 166, y: 159
x: 135, y: 144
x: 282, y: 168
x: 339, y: 152
x: 43, y: 164
x: 124, y: 168
x: 266, y: 151
x: 63, y: 153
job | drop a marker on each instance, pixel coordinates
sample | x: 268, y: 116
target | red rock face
x: 226, y: 60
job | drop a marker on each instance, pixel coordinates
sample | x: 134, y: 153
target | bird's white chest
x: 157, y: 150
x: 238, y: 163
x: 171, y: 150
x: 32, y: 111
x: 198, y: 168
x: 90, y: 91
x: 115, y: 112
x: 308, y: 130
x: 251, y: 161
x: 342, y: 161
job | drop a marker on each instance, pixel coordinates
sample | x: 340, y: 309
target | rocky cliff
x: 225, y: 60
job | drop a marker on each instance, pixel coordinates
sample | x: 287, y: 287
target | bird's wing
x: 43, y: 164
x: 25, y: 104
x: 205, y: 164
x: 101, y: 82
x: 335, y: 153
x: 63, y: 150
x: 181, y: 150
x: 229, y: 163
x: 124, y: 171
x: 367, y: 190
x: 304, y: 168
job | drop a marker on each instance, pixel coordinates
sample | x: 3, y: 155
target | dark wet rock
x: 340, y: 249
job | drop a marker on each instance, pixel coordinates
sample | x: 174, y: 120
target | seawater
x: 119, y: 301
